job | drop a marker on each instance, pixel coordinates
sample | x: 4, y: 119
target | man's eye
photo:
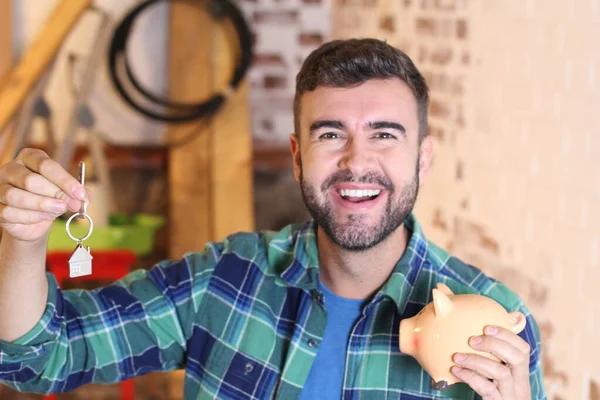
x: 329, y: 135
x: 384, y: 135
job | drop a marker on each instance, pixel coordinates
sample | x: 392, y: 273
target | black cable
x: 179, y: 112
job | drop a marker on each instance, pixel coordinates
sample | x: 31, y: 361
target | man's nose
x: 357, y: 157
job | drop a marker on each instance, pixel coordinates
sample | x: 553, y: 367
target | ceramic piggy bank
x: 444, y: 326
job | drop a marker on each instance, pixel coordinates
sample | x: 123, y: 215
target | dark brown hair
x: 350, y: 62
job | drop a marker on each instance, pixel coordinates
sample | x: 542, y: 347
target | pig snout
x: 408, y: 337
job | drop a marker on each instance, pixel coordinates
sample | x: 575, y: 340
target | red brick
x: 267, y: 125
x: 439, y: 222
x: 436, y: 132
x: 269, y: 59
x: 594, y: 390
x: 276, y: 17
x: 274, y: 82
x: 441, y: 56
x: 310, y: 39
x: 538, y: 295
x: 461, y: 29
x: 489, y: 244
x: 459, y: 171
x: 445, y: 5
x: 387, y: 24
x: 427, y: 26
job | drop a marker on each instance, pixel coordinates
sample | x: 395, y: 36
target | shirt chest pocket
x: 242, y: 375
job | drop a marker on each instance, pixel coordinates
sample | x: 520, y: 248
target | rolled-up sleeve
x: 134, y: 326
x: 18, y: 359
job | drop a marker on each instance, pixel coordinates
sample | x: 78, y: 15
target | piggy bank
x: 444, y: 326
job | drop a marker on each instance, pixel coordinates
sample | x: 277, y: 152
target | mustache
x: 345, y: 176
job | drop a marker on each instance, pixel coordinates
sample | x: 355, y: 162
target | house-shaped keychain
x: 80, y: 263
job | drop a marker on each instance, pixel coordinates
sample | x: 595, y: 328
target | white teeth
x: 359, y: 193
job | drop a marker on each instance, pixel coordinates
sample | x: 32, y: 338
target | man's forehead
x: 367, y: 102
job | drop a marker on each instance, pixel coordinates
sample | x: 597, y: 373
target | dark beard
x: 354, y: 235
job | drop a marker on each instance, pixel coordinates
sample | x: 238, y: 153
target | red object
x: 106, y: 265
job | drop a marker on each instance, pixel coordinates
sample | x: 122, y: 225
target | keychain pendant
x: 80, y: 263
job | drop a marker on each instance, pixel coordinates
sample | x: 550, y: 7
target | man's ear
x: 295, y: 148
x: 426, y: 150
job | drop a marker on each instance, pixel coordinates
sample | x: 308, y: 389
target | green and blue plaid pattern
x: 244, y: 317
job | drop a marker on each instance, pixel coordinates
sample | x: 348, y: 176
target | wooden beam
x: 232, y: 185
x: 190, y: 77
x: 6, y: 44
x: 210, y: 178
x: 37, y: 57
x: 7, y: 141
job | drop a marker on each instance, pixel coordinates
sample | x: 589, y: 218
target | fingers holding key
x: 39, y: 162
x: 34, y: 172
x: 35, y: 190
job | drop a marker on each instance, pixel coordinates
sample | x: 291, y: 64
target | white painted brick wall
x: 529, y: 151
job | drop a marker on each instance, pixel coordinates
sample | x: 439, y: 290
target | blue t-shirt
x: 326, y: 377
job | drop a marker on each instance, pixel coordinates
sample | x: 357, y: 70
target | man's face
x: 358, y: 160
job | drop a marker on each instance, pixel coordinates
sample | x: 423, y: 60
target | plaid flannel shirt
x: 244, y: 318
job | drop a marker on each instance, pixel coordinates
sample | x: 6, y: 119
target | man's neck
x: 359, y: 274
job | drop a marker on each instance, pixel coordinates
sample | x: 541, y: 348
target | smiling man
x: 310, y: 312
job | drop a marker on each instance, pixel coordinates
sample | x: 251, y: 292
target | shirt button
x: 249, y: 367
x: 312, y: 343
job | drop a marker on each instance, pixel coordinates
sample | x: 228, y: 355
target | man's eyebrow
x: 326, y: 123
x: 387, y: 125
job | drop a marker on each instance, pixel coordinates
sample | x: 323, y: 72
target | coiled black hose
x: 178, y: 112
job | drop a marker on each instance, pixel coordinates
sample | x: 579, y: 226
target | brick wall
x: 515, y: 186
x: 286, y: 31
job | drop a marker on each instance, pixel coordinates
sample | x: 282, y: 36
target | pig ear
x: 441, y: 303
x: 517, y: 321
x: 442, y: 287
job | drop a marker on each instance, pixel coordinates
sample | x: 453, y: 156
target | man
x: 310, y: 312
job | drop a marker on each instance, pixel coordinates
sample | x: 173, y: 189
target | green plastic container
x: 135, y: 234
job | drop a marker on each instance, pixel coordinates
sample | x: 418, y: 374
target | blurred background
x: 515, y: 187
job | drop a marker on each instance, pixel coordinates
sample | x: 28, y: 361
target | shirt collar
x: 301, y: 269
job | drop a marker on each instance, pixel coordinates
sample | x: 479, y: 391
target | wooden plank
x: 6, y: 44
x: 210, y: 179
x: 37, y: 57
x: 190, y: 225
x: 232, y: 175
x: 7, y: 140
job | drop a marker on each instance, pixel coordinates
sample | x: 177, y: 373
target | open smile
x: 359, y: 195
x: 354, y: 197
